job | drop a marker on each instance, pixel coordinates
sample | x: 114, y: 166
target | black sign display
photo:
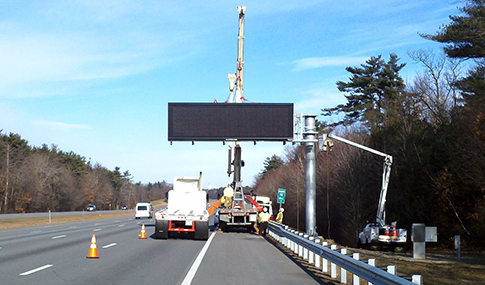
x: 223, y: 121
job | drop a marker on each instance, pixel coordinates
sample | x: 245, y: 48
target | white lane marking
x: 35, y: 232
x: 61, y: 236
x: 96, y: 230
x: 35, y: 270
x: 109, y: 245
x: 121, y: 226
x: 117, y: 221
x: 97, y: 224
x: 188, y: 278
x: 73, y: 227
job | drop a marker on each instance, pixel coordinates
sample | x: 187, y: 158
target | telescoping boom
x: 379, y: 234
x: 381, y: 214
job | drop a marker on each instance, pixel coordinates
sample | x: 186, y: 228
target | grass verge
x: 26, y: 222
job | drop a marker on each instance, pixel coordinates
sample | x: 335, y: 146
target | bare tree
x: 435, y: 87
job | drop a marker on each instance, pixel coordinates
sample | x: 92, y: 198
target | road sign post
x: 281, y: 196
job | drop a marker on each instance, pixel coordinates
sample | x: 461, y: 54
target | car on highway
x: 124, y: 208
x: 91, y: 208
x: 143, y: 210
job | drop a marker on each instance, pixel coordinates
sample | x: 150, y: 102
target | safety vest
x: 228, y: 192
x: 279, y: 217
x: 264, y: 217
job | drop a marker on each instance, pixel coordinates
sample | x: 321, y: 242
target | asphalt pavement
x: 57, y: 254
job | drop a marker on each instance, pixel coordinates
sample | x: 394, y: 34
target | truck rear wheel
x: 161, y: 229
x: 400, y: 248
x: 223, y: 226
x: 201, y: 230
x: 375, y: 246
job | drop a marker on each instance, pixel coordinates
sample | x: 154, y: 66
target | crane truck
x: 186, y: 211
x: 378, y: 234
x: 242, y: 213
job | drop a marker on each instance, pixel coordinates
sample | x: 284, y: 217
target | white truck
x: 378, y: 235
x: 186, y: 211
x: 265, y: 202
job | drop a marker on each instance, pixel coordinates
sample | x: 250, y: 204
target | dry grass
x: 439, y: 267
x: 25, y: 222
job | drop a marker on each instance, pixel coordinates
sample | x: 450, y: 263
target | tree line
x: 434, y: 127
x: 38, y: 179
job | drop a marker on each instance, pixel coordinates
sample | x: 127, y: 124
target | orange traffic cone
x: 93, y: 251
x: 143, y: 233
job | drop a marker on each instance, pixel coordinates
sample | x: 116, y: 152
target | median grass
x: 26, y: 222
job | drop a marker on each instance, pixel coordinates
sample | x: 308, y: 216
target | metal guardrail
x: 311, y: 250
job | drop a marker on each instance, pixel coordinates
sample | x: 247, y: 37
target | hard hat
x: 265, y: 209
x: 282, y: 210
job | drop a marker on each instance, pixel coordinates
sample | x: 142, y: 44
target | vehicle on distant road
x: 91, y: 208
x: 124, y: 208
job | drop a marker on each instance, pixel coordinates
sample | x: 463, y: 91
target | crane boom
x: 240, y: 60
x: 381, y: 214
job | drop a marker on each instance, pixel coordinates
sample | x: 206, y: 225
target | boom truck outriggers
x: 378, y: 234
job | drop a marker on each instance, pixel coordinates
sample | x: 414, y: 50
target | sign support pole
x: 310, y: 174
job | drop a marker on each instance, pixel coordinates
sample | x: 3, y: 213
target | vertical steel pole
x: 310, y: 181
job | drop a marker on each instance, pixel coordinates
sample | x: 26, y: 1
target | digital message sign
x: 223, y: 121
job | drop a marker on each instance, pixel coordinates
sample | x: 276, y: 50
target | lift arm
x: 381, y: 214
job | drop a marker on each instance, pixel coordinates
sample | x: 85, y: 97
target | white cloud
x: 59, y: 125
x: 316, y: 99
x: 318, y: 62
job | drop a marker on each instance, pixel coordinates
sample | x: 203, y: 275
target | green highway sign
x: 281, y: 196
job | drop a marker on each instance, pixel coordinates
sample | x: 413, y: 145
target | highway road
x: 56, y: 254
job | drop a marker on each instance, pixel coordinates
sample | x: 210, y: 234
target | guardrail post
x: 356, y: 279
x: 391, y: 269
x: 343, y: 272
x: 294, y: 245
x: 417, y: 279
x: 372, y: 262
x: 333, y: 266
x: 305, y: 250
x: 317, y: 257
x: 310, y: 253
x: 324, y: 261
x: 300, y: 247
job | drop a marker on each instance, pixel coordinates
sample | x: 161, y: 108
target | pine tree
x: 373, y: 92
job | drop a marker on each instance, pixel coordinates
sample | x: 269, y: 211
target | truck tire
x: 223, y: 226
x: 400, y: 248
x: 201, y: 230
x: 161, y: 229
x: 375, y: 246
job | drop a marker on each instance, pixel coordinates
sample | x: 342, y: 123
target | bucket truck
x: 378, y: 234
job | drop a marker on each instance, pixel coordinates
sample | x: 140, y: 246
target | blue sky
x: 95, y: 77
